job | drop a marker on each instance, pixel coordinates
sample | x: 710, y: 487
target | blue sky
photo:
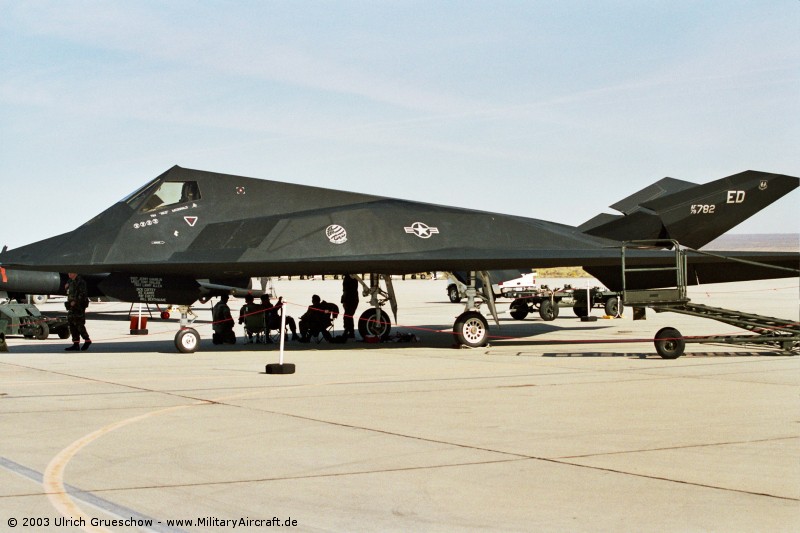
x: 552, y: 110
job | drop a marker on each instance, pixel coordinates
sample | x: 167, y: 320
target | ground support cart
x: 548, y: 302
x: 28, y: 321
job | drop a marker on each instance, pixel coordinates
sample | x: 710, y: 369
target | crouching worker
x: 316, y: 320
x: 76, y: 304
x: 223, y: 322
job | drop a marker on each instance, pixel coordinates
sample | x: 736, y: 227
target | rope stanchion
x: 281, y: 368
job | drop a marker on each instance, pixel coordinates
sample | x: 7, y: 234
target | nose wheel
x: 187, y: 340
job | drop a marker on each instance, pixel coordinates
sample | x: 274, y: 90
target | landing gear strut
x: 187, y: 340
x: 374, y: 322
x: 471, y: 328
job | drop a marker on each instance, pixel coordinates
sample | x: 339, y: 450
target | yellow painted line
x: 53, y: 478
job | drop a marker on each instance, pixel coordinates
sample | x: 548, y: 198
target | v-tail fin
x: 691, y: 214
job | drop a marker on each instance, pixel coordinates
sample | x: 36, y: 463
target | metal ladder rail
x: 763, y: 325
x: 786, y: 340
x: 674, y: 296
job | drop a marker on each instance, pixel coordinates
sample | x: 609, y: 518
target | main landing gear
x: 471, y: 327
x: 374, y: 322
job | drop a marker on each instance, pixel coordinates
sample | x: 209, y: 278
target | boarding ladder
x: 774, y: 333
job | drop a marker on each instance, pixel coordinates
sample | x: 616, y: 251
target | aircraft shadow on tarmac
x: 652, y: 354
x: 424, y: 336
x: 436, y: 337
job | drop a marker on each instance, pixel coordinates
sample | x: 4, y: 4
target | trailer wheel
x: 669, y: 343
x: 452, y: 293
x: 471, y: 329
x: 613, y: 306
x: 42, y: 331
x: 548, y: 310
x: 580, y: 311
x: 519, y: 309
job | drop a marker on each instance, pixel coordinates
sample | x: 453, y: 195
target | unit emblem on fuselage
x: 336, y: 234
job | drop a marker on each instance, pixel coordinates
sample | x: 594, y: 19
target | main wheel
x: 519, y: 309
x: 580, y: 310
x: 38, y: 299
x: 669, y: 343
x: 452, y: 293
x: 613, y: 306
x: 63, y: 332
x: 187, y: 340
x: 548, y: 310
x: 471, y: 329
x: 374, y: 324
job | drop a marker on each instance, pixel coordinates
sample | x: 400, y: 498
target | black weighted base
x: 275, y: 368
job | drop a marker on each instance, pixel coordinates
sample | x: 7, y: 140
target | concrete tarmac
x: 533, y: 433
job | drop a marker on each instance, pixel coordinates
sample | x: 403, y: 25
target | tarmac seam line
x: 519, y: 456
x: 666, y: 448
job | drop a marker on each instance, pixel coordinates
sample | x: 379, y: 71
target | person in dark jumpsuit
x: 350, y: 304
x: 76, y: 304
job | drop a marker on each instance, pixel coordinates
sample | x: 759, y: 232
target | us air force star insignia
x: 763, y: 185
x: 336, y: 234
x: 421, y: 230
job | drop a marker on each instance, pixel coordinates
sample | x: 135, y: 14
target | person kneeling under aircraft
x: 222, y: 322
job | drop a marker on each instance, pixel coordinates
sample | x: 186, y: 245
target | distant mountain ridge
x: 760, y: 242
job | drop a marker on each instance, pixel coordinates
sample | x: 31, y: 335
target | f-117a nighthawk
x: 189, y: 225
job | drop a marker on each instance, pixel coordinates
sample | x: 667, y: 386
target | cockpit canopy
x: 161, y: 194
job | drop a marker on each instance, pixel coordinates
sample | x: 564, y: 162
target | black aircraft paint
x: 237, y: 227
x: 189, y: 225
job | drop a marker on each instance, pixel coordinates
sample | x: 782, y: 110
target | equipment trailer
x: 28, y: 321
x: 547, y: 302
x: 773, y: 333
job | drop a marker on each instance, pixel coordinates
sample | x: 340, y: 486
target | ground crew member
x: 350, y: 304
x: 315, y: 320
x: 223, y: 322
x: 76, y: 304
